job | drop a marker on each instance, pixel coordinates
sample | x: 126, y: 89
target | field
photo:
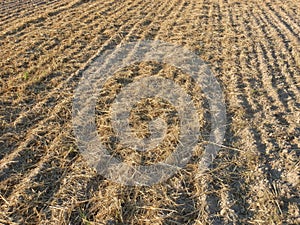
x: 253, y: 49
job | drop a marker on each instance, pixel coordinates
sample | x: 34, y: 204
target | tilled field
x: 252, y: 47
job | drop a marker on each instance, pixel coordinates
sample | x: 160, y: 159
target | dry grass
x: 253, y: 49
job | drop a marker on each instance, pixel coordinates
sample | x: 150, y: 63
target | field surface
x: 253, y: 49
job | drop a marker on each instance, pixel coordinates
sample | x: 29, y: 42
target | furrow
x: 36, y: 136
x: 42, y: 170
x: 267, y: 145
x: 58, y: 106
x: 21, y: 24
x: 145, y: 33
x: 242, y: 107
x: 289, y: 26
x: 62, y: 86
x: 278, y: 83
x: 22, y: 118
x: 232, y: 65
x: 285, y: 16
x: 133, y: 31
x: 211, y: 52
x: 289, y: 14
x: 262, y: 204
x: 79, y: 43
x: 251, y: 47
x: 284, y: 32
x: 45, y: 34
x: 22, y: 12
x: 287, y: 62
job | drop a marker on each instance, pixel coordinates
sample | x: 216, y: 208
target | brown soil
x: 252, y: 47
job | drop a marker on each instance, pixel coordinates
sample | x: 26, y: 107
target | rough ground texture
x: 252, y: 47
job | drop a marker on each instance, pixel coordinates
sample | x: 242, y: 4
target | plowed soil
x: 252, y: 47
